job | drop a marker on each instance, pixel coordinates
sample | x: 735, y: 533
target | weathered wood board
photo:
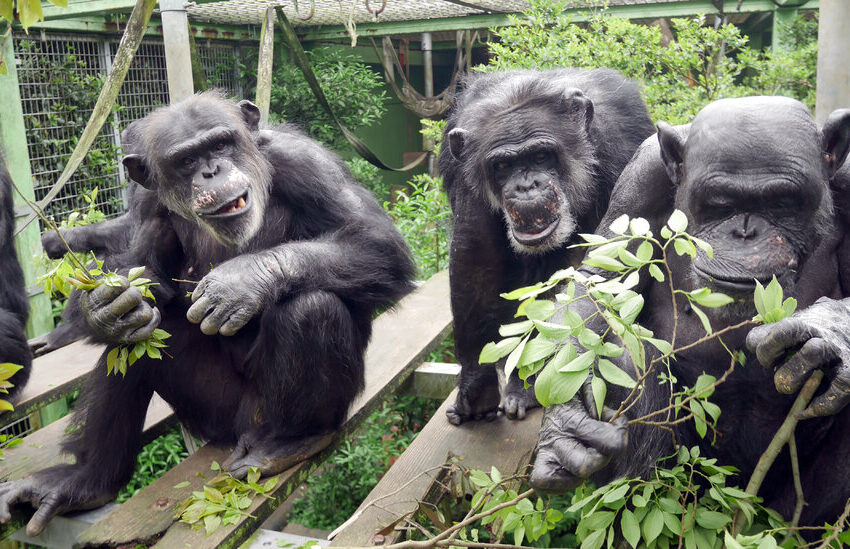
x: 502, y: 443
x: 401, y: 338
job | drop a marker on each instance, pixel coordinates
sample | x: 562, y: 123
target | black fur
x: 14, y: 303
x: 756, y: 178
x: 324, y: 256
x: 584, y: 125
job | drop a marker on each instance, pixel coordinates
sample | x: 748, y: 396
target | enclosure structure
x: 37, y: 135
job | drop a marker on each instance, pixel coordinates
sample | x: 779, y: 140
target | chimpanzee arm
x: 96, y: 238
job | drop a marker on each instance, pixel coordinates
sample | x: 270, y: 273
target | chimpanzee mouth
x: 534, y: 238
x: 732, y: 284
x: 232, y: 208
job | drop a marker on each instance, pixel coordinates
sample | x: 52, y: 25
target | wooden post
x: 178, y: 59
x: 833, y: 91
x: 782, y: 20
x: 13, y: 139
x: 264, y: 66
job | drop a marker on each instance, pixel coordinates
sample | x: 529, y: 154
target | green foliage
x: 27, y: 12
x: 769, y: 304
x: 353, y: 90
x: 351, y: 471
x: 699, y: 65
x: 433, y: 130
x: 155, y: 459
x: 7, y: 370
x: 422, y: 214
x: 224, y: 499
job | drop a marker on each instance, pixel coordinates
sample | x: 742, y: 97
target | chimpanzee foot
x: 474, y: 407
x: 516, y: 399
x: 272, y: 456
x: 48, y: 498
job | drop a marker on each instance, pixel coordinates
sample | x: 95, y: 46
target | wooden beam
x: 83, y: 8
x: 264, y: 65
x: 13, y: 141
x: 103, y: 25
x: 833, y: 87
x: 432, y: 380
x: 681, y: 8
x: 178, y: 57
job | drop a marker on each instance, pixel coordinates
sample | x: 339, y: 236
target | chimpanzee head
x: 753, y: 178
x: 200, y: 157
x: 527, y: 153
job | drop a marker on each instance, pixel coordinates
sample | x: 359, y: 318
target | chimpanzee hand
x: 816, y: 338
x: 49, y: 498
x: 52, y: 245
x: 231, y: 295
x: 573, y: 444
x: 119, y: 314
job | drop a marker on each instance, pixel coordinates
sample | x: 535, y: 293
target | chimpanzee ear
x: 836, y: 140
x: 457, y: 139
x: 251, y: 114
x: 672, y: 151
x: 579, y: 107
x: 138, y: 170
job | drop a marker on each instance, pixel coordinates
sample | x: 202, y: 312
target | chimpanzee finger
x: 609, y: 438
x: 199, y: 310
x: 214, y: 320
x: 589, y: 400
x: 815, y: 353
x: 147, y: 330
x: 198, y: 293
x: 47, y: 509
x: 238, y: 453
x: 549, y: 477
x: 126, y: 301
x: 235, y: 322
x: 836, y: 397
x: 772, y: 341
x: 103, y: 295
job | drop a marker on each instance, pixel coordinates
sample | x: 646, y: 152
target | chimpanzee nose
x: 527, y: 185
x: 745, y: 228
x: 210, y: 171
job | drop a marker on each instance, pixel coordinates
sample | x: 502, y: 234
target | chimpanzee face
x: 205, y: 166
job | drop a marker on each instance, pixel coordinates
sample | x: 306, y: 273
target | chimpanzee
x: 286, y: 259
x: 753, y: 175
x: 530, y: 160
x: 14, y: 303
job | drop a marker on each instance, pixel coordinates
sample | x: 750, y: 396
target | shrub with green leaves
x: 155, y: 459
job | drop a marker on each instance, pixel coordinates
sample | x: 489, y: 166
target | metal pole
x: 428, y: 66
x: 833, y: 91
x: 178, y: 59
x: 782, y: 20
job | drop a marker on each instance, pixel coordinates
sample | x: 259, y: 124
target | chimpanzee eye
x: 188, y: 162
x: 541, y: 157
x: 220, y: 146
x: 502, y: 165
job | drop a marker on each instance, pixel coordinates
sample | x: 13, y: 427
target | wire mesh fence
x: 60, y: 77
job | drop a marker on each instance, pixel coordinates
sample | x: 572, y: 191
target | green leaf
x: 652, y: 524
x: 580, y: 363
x: 594, y: 540
x: 553, y: 387
x: 678, y: 221
x: 699, y: 418
x: 270, y: 484
x: 492, y: 352
x: 706, y: 325
x: 552, y: 330
x: 537, y: 309
x: 513, y: 358
x: 211, y: 523
x: 704, y: 246
x: 7, y: 370
x: 214, y: 466
x: 599, y: 390
x: 758, y: 299
x: 135, y: 272
x: 789, y: 306
x: 64, y: 4
x: 631, y: 309
x: 613, y: 374
x: 7, y: 10
x: 6, y: 406
x: 615, y: 494
x: 183, y: 484
x: 29, y: 12
x: 683, y: 246
x: 516, y: 328
x: 639, y: 226
x: 644, y: 251
x: 523, y: 293
x: 666, y: 233
x: 620, y: 225
x: 662, y: 345
x: 773, y: 295
x: 603, y: 262
x: 519, y: 534
x: 656, y: 273
x: 538, y: 348
x: 711, y: 520
x: 593, y: 238
x: 713, y: 300
x: 630, y: 527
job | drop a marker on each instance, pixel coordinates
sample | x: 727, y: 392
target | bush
x: 352, y: 89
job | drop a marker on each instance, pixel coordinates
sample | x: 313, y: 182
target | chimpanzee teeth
x: 240, y: 203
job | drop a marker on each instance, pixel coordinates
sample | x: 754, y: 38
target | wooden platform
x: 401, y: 338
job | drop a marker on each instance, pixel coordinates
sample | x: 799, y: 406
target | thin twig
x: 798, y: 485
x: 839, y: 527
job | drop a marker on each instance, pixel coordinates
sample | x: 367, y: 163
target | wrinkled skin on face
x: 758, y: 181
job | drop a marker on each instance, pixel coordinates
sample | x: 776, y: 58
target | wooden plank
x: 43, y: 449
x: 502, y: 443
x: 401, y: 337
x: 434, y: 380
x: 54, y: 376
